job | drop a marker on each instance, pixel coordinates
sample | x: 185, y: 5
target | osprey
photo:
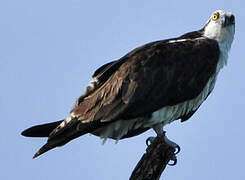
x: 149, y: 87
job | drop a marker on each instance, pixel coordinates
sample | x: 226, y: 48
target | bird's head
x: 221, y: 27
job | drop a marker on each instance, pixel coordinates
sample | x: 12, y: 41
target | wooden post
x: 154, y: 161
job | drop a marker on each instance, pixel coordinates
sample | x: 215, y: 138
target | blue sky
x: 48, y: 52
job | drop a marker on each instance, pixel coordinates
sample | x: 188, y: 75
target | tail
x: 59, y: 136
x: 42, y: 130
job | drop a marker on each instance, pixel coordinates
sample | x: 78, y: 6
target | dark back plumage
x: 157, y: 74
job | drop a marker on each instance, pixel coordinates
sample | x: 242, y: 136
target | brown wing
x: 100, y: 76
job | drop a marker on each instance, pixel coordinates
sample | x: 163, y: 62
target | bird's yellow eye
x: 215, y: 16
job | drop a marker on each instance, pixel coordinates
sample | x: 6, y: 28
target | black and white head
x: 221, y: 27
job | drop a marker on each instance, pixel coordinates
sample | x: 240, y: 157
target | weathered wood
x: 154, y: 161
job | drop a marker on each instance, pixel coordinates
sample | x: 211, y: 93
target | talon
x: 172, y: 144
x: 177, y: 149
x: 149, y: 140
x: 174, y: 159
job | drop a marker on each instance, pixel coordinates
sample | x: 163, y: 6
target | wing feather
x: 151, y: 77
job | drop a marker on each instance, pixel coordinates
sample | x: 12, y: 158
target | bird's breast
x: 168, y: 114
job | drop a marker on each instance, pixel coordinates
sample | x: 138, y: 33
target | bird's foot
x: 149, y: 141
x: 177, y: 150
x: 172, y: 144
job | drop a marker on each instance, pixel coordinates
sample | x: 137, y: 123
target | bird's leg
x: 159, y: 130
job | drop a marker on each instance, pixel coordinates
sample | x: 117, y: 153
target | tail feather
x: 59, y: 139
x: 42, y: 150
x: 42, y: 130
x: 62, y: 136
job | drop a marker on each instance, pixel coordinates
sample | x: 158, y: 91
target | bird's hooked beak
x: 229, y: 20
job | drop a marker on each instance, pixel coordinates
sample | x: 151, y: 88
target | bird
x: 148, y: 88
